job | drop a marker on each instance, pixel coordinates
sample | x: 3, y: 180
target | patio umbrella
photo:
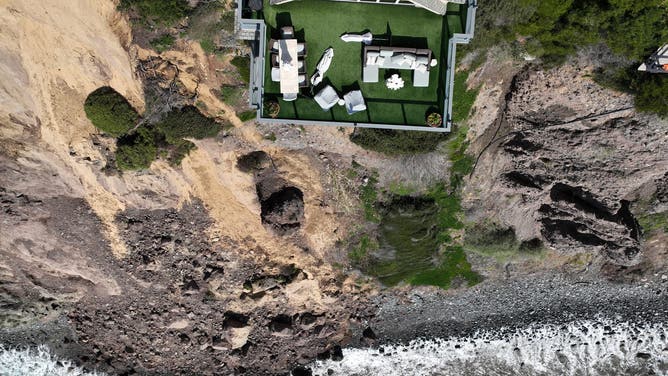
x: 366, y: 38
x: 323, y: 66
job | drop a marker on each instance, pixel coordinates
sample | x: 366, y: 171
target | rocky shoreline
x: 550, y: 298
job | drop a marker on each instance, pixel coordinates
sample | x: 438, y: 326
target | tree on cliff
x: 110, y: 111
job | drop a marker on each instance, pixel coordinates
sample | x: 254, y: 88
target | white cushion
x: 422, y: 60
x: 422, y: 68
x: 300, y: 47
x: 371, y: 60
x: 380, y: 60
x: 397, y: 59
x: 275, y: 46
x: 386, y: 53
x: 414, y: 65
x: 409, y: 57
x: 372, y: 54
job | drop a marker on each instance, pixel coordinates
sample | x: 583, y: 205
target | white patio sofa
x: 414, y: 59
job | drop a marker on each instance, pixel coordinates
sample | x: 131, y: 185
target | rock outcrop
x: 566, y: 163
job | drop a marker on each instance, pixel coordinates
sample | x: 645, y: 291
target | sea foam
x: 596, y: 347
x: 37, y: 362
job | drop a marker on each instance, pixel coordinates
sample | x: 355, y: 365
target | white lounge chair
x: 354, y: 102
x: 327, y: 98
x: 276, y: 74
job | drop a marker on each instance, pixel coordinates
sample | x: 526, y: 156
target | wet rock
x: 368, y: 333
x: 302, y: 371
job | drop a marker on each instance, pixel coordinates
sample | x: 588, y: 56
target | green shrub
x: 247, y: 115
x: 232, y: 95
x: 110, y: 111
x: 271, y: 137
x: 207, y: 45
x: 160, y: 11
x: 179, y: 151
x: 137, y: 150
x: 359, y: 255
x: 187, y: 122
x: 243, y: 67
x: 368, y: 196
x: 462, y: 98
x: 651, y: 93
x: 650, y: 90
x: 462, y: 162
x: 453, y: 265
x: 393, y: 142
x: 163, y: 43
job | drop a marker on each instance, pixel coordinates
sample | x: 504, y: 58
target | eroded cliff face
x: 565, y: 160
x: 157, y: 264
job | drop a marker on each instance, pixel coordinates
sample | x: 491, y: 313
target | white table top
x: 394, y: 82
x: 289, y: 72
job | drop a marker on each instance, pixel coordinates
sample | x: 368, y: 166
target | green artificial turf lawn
x: 320, y: 23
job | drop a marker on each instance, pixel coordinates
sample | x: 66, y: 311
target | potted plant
x: 434, y: 119
x: 272, y: 108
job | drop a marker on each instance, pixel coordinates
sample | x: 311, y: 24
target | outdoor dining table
x: 288, y: 65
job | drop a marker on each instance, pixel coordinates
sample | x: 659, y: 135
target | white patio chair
x: 354, y: 102
x: 327, y: 98
x: 288, y: 32
x: 276, y: 74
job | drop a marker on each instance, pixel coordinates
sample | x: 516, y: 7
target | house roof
x: 436, y: 6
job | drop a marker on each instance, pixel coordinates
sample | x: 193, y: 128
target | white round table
x: 394, y: 82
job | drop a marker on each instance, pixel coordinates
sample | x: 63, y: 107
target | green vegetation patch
x: 110, y: 112
x: 232, y: 94
x: 207, y: 45
x: 247, y: 115
x: 360, y: 253
x: 163, y: 43
x: 369, y: 196
x: 206, y: 23
x: 164, y: 12
x: 454, y: 265
x: 462, y: 162
x: 242, y: 63
x: 393, y: 142
x: 463, y: 98
x: 555, y: 29
x: 652, y: 223
x: 187, y: 122
x: 137, y: 150
x: 419, y: 238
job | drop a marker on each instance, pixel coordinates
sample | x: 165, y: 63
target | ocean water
x: 587, y: 348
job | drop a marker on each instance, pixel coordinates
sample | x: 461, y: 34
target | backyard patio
x: 319, y: 24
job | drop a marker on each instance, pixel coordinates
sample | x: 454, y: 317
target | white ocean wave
x: 587, y: 348
x: 37, y: 362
